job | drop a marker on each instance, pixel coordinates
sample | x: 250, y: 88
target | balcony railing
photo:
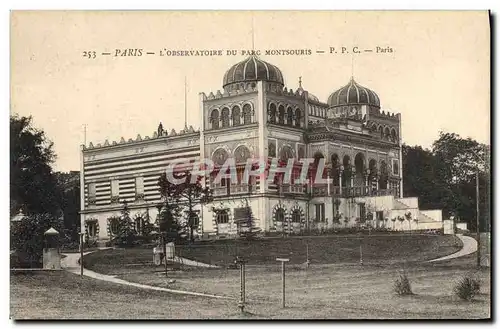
x: 292, y: 188
x: 240, y: 189
x: 296, y: 189
x: 234, y: 189
x: 347, y: 192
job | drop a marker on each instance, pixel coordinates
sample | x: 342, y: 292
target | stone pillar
x: 328, y: 183
x: 353, y: 174
x: 341, y: 171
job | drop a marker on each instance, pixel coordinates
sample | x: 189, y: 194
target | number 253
x: 89, y: 54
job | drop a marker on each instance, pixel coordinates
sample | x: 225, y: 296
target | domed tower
x: 246, y: 73
x: 353, y: 101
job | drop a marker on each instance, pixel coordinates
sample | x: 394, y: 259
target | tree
x: 69, y: 186
x: 125, y: 233
x: 192, y: 193
x: 423, y: 177
x: 445, y: 178
x: 463, y: 158
x: 27, y: 237
x: 246, y: 222
x: 169, y: 210
x: 33, y: 186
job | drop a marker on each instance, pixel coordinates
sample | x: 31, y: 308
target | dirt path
x: 469, y: 247
x: 70, y: 264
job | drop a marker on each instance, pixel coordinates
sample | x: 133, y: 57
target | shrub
x: 402, y: 285
x: 467, y: 288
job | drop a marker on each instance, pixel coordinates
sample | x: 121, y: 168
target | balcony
x: 349, y: 192
x: 292, y: 188
x: 233, y: 189
x: 240, y: 189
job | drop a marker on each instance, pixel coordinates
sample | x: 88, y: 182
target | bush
x: 467, y: 288
x: 402, y: 285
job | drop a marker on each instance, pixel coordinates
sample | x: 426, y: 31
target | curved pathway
x: 70, y: 264
x: 469, y: 247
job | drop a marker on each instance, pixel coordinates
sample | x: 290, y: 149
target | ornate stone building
x: 257, y: 116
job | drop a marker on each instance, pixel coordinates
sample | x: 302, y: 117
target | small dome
x: 353, y: 94
x: 309, y: 95
x: 252, y: 69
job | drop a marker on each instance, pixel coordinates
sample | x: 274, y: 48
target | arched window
x: 247, y: 114
x: 359, y: 164
x: 335, y: 169
x: 195, y: 221
x: 286, y: 153
x: 279, y: 216
x: 225, y: 117
x: 241, y: 154
x: 372, y: 166
x: 92, y: 228
x: 381, y: 132
x: 289, y: 116
x: 393, y: 135
x: 272, y: 113
x: 113, y: 225
x: 301, y: 152
x: 384, y: 175
x: 387, y: 133
x: 395, y: 167
x: 281, y: 115
x: 214, y: 119
x: 296, y: 216
x: 298, y: 118
x: 220, y: 156
x: 346, y: 174
x: 222, y: 217
x: 236, y: 116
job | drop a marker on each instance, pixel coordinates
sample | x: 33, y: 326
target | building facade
x: 257, y: 116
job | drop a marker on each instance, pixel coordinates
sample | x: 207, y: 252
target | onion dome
x: 253, y: 69
x: 309, y: 95
x: 353, y: 94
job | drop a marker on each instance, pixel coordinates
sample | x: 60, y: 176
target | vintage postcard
x: 250, y: 165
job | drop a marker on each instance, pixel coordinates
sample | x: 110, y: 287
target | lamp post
x: 478, y: 234
x: 81, y: 253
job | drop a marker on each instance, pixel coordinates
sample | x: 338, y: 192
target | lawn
x: 62, y: 295
x: 335, y: 286
x: 376, y: 249
x: 322, y: 292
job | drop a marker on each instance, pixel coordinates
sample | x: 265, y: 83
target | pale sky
x: 437, y: 77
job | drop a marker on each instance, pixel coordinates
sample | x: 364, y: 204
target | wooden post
x: 283, y: 261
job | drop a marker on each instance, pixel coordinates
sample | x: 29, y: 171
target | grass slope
x: 322, y: 250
